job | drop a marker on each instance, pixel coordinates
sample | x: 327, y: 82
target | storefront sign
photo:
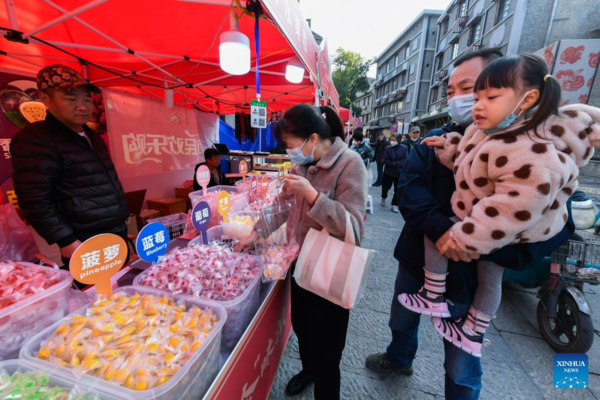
x: 251, y: 369
x: 97, y: 259
x: 258, y: 114
x: 223, y: 205
x: 201, y: 218
x: 152, y: 242
x: 203, y: 177
x: 243, y: 170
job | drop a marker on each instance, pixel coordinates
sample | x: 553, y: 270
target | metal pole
x: 12, y: 15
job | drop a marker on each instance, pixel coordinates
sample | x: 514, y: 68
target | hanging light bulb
x: 234, y: 50
x: 294, y: 71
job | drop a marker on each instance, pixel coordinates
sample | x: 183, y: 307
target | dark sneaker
x: 421, y: 303
x: 298, y: 384
x: 381, y: 363
x: 453, y: 332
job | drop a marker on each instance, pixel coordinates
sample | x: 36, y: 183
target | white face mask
x: 394, y: 143
x: 459, y: 108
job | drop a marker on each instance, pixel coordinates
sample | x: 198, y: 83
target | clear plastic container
x: 273, y: 182
x: 21, y: 320
x: 55, y: 379
x: 237, y: 231
x: 238, y: 201
x: 190, y: 382
x: 176, y: 224
x: 240, y: 310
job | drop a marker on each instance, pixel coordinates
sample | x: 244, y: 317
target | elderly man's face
x: 415, y: 135
x: 464, y: 76
x: 73, y: 108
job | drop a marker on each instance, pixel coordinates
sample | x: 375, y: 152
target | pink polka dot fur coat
x: 514, y: 189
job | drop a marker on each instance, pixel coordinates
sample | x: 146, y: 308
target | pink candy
x: 277, y: 260
x: 209, y: 272
x: 260, y: 203
x: 18, y: 282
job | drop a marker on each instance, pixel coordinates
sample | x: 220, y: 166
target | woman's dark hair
x: 358, y: 136
x: 524, y: 71
x: 303, y: 120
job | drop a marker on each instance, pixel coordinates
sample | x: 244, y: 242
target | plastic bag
x: 277, y: 247
x: 16, y: 240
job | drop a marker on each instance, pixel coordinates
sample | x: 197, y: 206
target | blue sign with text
x: 201, y: 218
x: 152, y: 242
x: 571, y: 371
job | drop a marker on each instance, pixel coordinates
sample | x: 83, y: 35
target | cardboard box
x: 167, y: 205
x: 145, y: 215
x: 183, y: 193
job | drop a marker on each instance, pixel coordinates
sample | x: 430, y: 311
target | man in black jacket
x: 380, y: 146
x: 213, y: 162
x: 64, y: 178
x: 413, y: 137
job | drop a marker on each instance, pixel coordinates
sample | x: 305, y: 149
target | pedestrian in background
x: 380, y: 146
x: 364, y: 150
x: 394, y: 158
x: 414, y: 135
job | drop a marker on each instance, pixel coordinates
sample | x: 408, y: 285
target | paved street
x: 517, y: 365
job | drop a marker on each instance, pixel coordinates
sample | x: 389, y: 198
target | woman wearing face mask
x: 394, y: 158
x: 327, y: 180
x: 364, y: 150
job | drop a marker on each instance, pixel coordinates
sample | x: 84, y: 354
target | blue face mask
x: 298, y: 157
x: 508, y: 121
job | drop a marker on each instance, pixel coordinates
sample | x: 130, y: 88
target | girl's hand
x: 299, y: 186
x: 434, y: 141
x: 247, y: 243
x: 450, y: 247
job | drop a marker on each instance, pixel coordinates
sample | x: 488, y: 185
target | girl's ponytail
x: 336, y: 127
x: 548, y: 103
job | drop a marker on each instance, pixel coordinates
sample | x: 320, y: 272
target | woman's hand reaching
x: 434, y: 141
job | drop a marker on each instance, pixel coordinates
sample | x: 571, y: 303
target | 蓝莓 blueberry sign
x: 571, y: 371
x: 152, y: 242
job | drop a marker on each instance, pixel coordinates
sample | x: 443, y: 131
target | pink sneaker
x: 453, y: 332
x: 421, y: 303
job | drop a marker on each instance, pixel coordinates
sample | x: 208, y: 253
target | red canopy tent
x: 158, y: 43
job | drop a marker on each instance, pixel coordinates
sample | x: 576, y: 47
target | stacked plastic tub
x: 191, y: 381
x: 30, y: 315
x: 240, y: 310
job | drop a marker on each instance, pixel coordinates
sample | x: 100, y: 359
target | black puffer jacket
x: 68, y: 190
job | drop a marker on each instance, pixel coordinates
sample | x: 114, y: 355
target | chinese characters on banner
x: 146, y: 138
x: 152, y: 242
x: 97, y: 259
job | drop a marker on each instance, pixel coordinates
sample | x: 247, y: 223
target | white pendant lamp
x: 294, y: 71
x: 234, y: 50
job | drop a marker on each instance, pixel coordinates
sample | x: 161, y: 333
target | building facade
x: 512, y: 26
x: 365, y: 102
x: 404, y: 69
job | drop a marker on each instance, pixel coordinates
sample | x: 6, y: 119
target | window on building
x: 398, y: 58
x: 503, y: 9
x: 408, y: 97
x: 444, y: 27
x: 411, y: 69
x: 434, y: 94
x: 455, y: 51
x: 463, y: 9
x: 475, y: 33
x: 407, y: 51
x: 392, y: 109
x: 398, y: 107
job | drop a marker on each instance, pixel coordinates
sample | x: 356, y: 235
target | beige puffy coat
x: 515, y: 189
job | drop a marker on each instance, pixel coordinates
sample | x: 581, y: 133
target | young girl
x: 513, y: 179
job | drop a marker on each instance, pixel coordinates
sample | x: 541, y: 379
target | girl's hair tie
x: 546, y: 77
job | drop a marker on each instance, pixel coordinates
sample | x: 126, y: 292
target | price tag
x: 258, y: 114
x: 223, y: 205
x: 152, y: 242
x: 201, y: 218
x: 203, y: 178
x: 254, y: 184
x: 97, y: 259
x: 264, y: 186
x: 243, y: 170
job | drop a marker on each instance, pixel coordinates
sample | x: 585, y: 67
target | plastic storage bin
x: 273, y: 183
x: 238, y: 200
x: 55, y: 379
x: 21, y: 320
x: 176, y: 224
x: 190, y: 382
x: 240, y: 310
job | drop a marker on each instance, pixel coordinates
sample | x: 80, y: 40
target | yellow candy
x: 122, y: 374
x: 91, y: 364
x: 152, y: 347
x: 44, y: 353
x: 196, y: 346
x: 96, y: 332
x: 110, y: 373
x: 60, y: 350
x: 178, y: 316
x: 174, y: 342
x: 75, y: 361
x: 61, y: 329
x: 169, y: 357
x: 129, y: 382
x: 174, y: 328
x: 192, y: 324
x: 142, y: 372
x: 141, y: 385
x: 162, y: 380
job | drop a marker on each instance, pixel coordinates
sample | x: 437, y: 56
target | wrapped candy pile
x: 137, y: 341
x: 210, y: 272
x: 260, y: 203
x: 18, y: 282
x: 277, y: 260
x: 36, y: 385
x: 239, y: 226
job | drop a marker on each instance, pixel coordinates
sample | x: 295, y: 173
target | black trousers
x: 388, y: 181
x: 321, y: 328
